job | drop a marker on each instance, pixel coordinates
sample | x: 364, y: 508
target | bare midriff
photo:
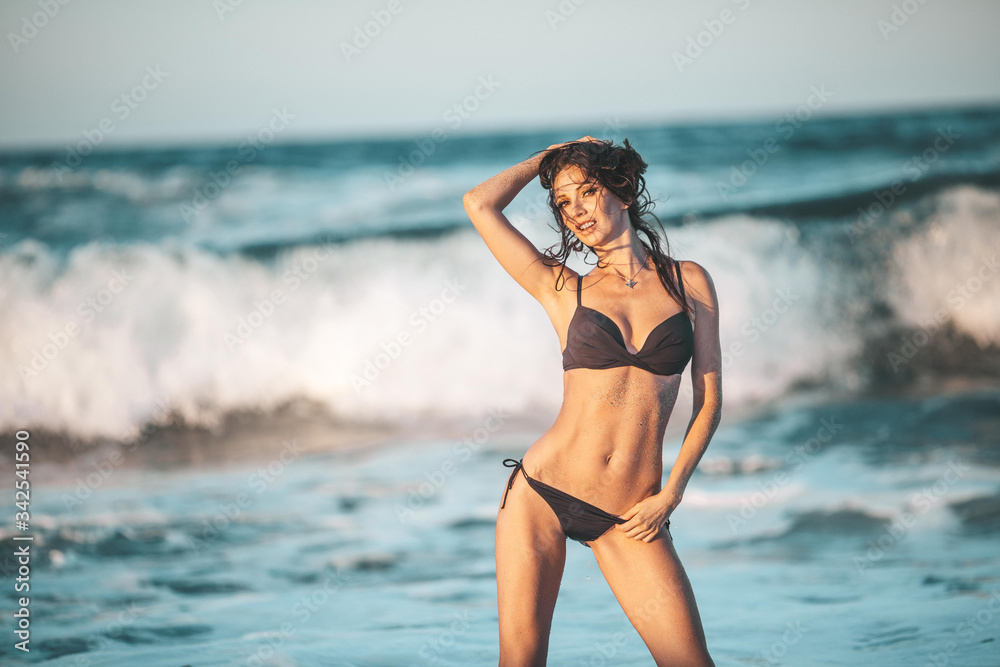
x: 606, y: 445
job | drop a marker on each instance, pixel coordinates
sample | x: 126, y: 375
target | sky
x: 198, y: 71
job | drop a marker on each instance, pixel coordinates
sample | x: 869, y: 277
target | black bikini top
x: 595, y: 341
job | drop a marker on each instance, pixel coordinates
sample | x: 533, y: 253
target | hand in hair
x: 567, y: 143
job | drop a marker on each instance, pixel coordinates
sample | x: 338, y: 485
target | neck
x: 624, y: 253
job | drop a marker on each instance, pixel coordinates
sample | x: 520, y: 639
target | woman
x: 628, y: 329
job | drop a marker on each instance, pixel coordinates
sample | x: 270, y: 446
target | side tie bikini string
x: 516, y: 465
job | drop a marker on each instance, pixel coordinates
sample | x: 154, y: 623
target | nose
x: 576, y: 208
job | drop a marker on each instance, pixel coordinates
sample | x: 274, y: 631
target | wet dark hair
x: 619, y: 169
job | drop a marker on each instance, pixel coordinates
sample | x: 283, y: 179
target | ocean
x: 267, y: 387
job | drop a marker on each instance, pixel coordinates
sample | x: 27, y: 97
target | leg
x: 651, y: 586
x: 530, y: 554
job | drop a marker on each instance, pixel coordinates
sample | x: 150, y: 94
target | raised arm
x: 517, y: 255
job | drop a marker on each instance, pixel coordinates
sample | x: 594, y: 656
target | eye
x: 590, y: 191
x: 561, y: 203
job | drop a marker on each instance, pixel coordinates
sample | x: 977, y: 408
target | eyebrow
x: 563, y: 194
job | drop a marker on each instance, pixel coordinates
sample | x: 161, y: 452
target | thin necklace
x: 630, y: 282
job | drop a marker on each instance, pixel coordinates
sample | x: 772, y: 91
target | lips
x: 586, y: 226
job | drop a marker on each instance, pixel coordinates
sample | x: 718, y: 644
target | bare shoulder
x: 698, y: 284
x: 706, y: 360
x: 558, y: 300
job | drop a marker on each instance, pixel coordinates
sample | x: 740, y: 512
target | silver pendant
x: 631, y: 283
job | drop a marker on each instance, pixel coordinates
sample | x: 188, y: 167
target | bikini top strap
x: 680, y: 283
x: 579, y: 288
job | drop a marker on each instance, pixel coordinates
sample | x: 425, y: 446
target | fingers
x: 649, y: 535
x: 638, y: 531
x: 587, y: 138
x: 641, y: 531
x: 644, y: 535
x: 631, y: 528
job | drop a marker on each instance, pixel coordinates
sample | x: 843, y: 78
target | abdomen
x: 605, y: 446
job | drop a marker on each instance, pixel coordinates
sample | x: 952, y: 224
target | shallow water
x: 385, y: 556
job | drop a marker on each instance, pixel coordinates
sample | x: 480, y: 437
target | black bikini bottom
x: 580, y: 521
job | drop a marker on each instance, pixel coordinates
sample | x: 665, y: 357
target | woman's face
x: 592, y: 212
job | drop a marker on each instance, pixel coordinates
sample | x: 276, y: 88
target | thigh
x: 649, y: 582
x: 530, y: 555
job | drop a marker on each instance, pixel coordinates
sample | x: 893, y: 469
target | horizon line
x: 637, y: 121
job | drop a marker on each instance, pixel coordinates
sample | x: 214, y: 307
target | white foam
x: 949, y: 270
x: 163, y: 338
